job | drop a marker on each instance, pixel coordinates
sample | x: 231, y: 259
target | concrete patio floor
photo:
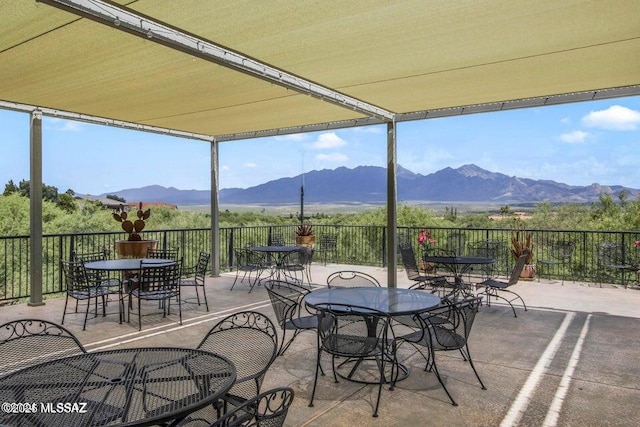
x: 570, y: 360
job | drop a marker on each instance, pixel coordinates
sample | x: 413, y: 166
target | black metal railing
x: 356, y: 245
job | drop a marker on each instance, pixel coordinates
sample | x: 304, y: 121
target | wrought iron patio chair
x: 444, y: 329
x: 560, y: 254
x: 81, y: 288
x: 156, y: 282
x: 297, y: 263
x: 434, y: 284
x: 165, y: 253
x: 495, y: 288
x: 276, y: 239
x: 485, y: 249
x: 455, y: 242
x: 328, y: 246
x: 99, y: 277
x: 195, y: 276
x: 27, y: 342
x: 612, y: 258
x: 246, y: 262
x: 250, y: 340
x: 290, y: 310
x: 351, y: 279
x: 356, y: 334
x: 268, y: 409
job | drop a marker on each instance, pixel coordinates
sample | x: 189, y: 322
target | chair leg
x: 204, y: 295
x: 434, y: 367
x: 490, y: 292
x: 66, y: 300
x: 86, y: 314
x: 468, y: 357
x: 179, y: 306
x: 284, y: 346
x: 381, y: 364
x: 315, y: 381
x: 197, y: 294
x: 235, y: 280
x: 121, y: 307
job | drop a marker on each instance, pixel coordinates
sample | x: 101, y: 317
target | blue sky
x: 578, y: 144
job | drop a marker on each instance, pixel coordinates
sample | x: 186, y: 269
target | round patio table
x: 390, y: 301
x: 279, y: 253
x: 133, y: 387
x: 458, y: 266
x: 125, y: 264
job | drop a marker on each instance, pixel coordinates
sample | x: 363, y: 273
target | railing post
x: 384, y: 247
x: 230, y: 248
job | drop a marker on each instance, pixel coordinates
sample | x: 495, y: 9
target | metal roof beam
x: 565, y: 98
x: 15, y: 106
x: 128, y: 20
x: 593, y: 95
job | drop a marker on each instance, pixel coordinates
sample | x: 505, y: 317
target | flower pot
x: 307, y: 241
x: 134, y: 248
x: 528, y: 272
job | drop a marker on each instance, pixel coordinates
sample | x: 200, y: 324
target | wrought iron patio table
x: 393, y: 302
x: 279, y: 253
x: 133, y: 387
x: 125, y: 264
x: 458, y: 266
x: 129, y: 267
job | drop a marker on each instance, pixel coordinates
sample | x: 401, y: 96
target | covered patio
x: 573, y: 353
x: 218, y: 72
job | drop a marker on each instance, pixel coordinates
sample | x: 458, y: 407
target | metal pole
x: 215, y: 211
x: 302, y: 193
x: 35, y: 209
x: 392, y: 218
x: 302, y: 204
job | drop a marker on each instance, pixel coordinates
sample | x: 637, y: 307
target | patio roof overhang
x: 394, y: 61
x: 415, y: 58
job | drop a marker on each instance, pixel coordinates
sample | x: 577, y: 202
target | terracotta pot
x: 134, y: 248
x: 528, y: 272
x: 307, y: 241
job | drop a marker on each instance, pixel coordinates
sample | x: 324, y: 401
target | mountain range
x: 368, y: 184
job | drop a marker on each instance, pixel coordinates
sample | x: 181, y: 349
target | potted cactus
x: 134, y: 246
x: 521, y: 243
x: 305, y: 235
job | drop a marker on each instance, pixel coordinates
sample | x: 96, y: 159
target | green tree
x: 49, y: 192
x: 623, y: 196
x: 67, y: 203
x: 505, y: 211
x: 10, y: 188
x: 14, y: 215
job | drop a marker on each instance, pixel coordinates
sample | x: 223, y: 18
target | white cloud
x: 250, y: 165
x: 575, y: 137
x: 225, y: 168
x: 373, y: 129
x: 65, y: 125
x: 334, y: 157
x: 292, y: 137
x: 615, y: 117
x: 71, y: 126
x: 327, y: 141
